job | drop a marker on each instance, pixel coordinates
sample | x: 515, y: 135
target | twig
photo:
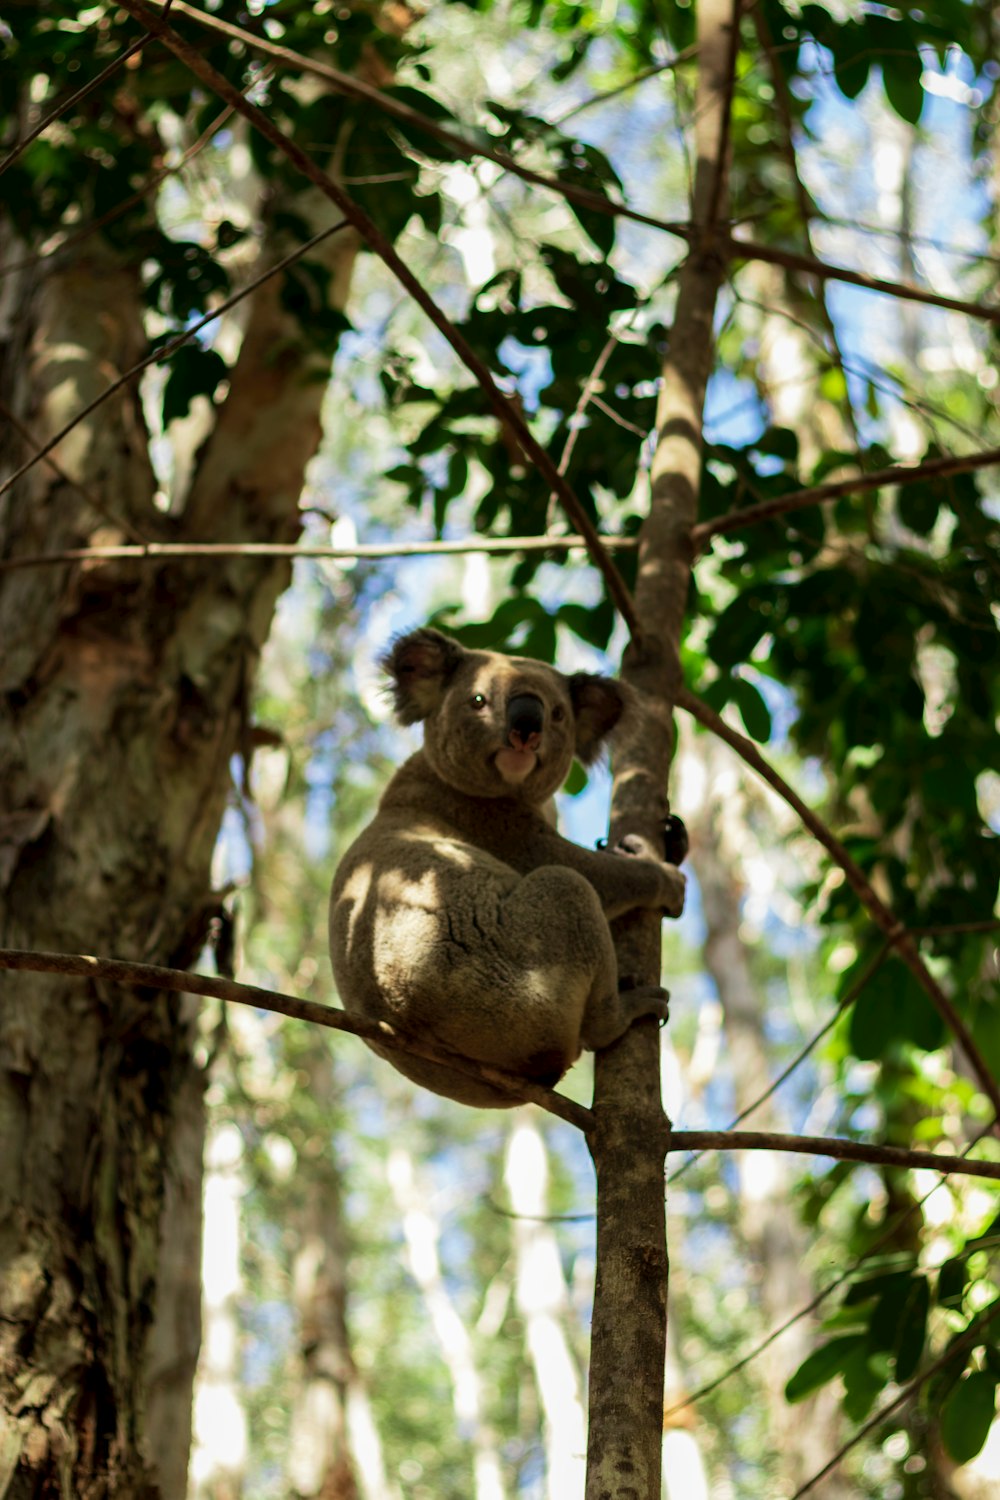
x: 168, y: 551
x: 163, y: 353
x: 153, y: 976
x: 66, y: 104
x: 69, y: 241
x: 29, y: 439
x: 466, y: 150
x: 967, y: 1340
x: 767, y: 510
x: 376, y: 241
x: 739, y: 249
x: 859, y: 883
x: 821, y: 1145
x: 810, y: 1046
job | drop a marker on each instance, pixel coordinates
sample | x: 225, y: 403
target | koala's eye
x: 558, y: 714
x: 478, y: 701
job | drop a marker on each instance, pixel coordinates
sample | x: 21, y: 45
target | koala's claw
x: 644, y: 999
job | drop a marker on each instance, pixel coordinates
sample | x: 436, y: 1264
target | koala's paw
x: 643, y: 999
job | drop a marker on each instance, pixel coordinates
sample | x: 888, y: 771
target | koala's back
x: 441, y: 938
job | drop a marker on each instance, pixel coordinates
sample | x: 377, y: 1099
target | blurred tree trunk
x: 806, y: 1434
x: 124, y: 695
x: 334, y: 1450
x: 423, y: 1233
x: 543, y: 1302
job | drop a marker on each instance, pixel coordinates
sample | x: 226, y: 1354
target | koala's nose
x: 525, y: 719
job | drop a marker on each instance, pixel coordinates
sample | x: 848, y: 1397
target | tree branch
x: 167, y: 551
x: 66, y: 104
x: 376, y: 241
x: 767, y: 510
x: 885, y: 919
x: 179, y: 981
x: 821, y: 1145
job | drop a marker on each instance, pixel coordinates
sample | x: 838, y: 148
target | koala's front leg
x: 632, y: 876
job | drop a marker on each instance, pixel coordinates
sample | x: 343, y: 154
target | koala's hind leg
x: 557, y: 922
x: 605, y: 1023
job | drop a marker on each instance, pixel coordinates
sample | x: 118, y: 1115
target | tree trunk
x: 124, y: 698
x: 632, y: 1132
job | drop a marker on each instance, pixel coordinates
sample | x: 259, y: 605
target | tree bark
x: 123, y: 698
x: 632, y: 1133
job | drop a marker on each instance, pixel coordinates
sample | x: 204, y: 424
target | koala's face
x: 499, y: 726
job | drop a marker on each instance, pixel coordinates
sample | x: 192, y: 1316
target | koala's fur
x: 460, y: 915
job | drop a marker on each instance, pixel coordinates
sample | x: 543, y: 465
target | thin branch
x: 67, y: 104
x: 653, y: 71
x: 859, y: 883
x: 968, y: 1340
x: 889, y: 1235
x: 159, y: 355
x: 821, y: 1145
x: 739, y: 249
x: 168, y: 551
x: 767, y: 510
x: 376, y: 241
x: 810, y: 1046
x: 178, y: 981
x: 71, y: 240
x: 32, y: 443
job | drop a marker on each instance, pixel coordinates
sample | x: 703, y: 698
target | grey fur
x: 460, y: 914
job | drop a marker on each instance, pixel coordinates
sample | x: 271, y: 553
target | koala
x: 460, y: 915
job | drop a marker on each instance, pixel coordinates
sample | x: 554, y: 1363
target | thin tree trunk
x: 632, y: 1133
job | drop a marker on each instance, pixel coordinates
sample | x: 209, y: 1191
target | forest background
x: 395, y: 1293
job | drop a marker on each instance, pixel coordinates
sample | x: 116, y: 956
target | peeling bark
x: 123, y: 698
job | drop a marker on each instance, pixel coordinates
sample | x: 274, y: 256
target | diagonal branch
x: 504, y: 410
x: 883, y: 918
x: 971, y: 1337
x: 780, y: 505
x: 66, y: 104
x: 165, y: 351
x: 179, y: 981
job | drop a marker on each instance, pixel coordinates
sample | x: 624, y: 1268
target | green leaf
x: 576, y: 780
x: 893, y: 1008
x: 901, y: 77
x: 194, y: 371
x: 951, y: 1282
x: 913, y: 1330
x: 968, y: 1414
x: 754, y: 711
x: 822, y: 1365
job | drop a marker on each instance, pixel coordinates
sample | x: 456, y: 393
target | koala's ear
x: 420, y: 665
x: 598, y: 706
